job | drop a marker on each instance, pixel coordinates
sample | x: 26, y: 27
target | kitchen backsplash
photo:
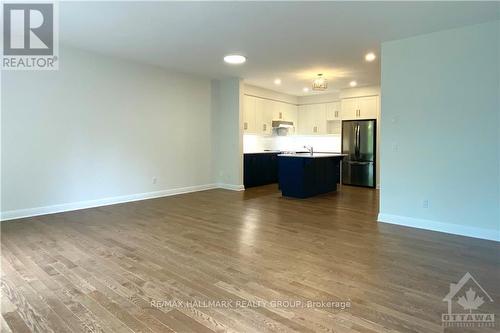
x: 256, y: 143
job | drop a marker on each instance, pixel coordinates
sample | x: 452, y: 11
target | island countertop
x: 314, y: 155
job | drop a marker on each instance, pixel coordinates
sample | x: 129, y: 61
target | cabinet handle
x: 245, y: 126
x: 280, y: 115
x: 264, y: 127
x: 336, y: 114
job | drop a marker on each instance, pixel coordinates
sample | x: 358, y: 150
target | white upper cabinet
x: 278, y: 110
x: 249, y: 114
x: 284, y: 111
x: 268, y: 110
x: 304, y: 120
x: 368, y: 107
x: 349, y: 108
x: 264, y: 116
x: 259, y: 113
x: 312, y: 119
x: 318, y: 113
x: 359, y: 108
x: 291, y: 113
x: 333, y: 111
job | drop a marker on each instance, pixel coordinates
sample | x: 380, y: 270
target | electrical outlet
x: 395, y: 147
x: 425, y: 203
x: 154, y: 180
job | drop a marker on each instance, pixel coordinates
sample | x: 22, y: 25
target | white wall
x: 440, y: 131
x: 227, y: 126
x: 101, y: 127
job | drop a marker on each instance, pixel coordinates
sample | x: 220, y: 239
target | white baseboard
x: 21, y: 213
x: 231, y: 187
x: 448, y: 228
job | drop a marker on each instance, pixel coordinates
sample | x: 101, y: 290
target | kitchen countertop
x: 315, y: 155
x: 285, y: 152
x: 264, y: 152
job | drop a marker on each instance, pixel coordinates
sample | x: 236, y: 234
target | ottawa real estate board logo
x: 465, y: 299
x: 30, y: 36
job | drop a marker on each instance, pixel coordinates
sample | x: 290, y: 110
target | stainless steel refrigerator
x: 359, y: 142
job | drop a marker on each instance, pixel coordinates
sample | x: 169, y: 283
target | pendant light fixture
x: 320, y: 84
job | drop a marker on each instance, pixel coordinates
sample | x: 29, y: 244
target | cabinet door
x: 333, y: 111
x: 263, y: 111
x: 288, y: 112
x: 279, y: 110
x: 349, y: 108
x: 318, y: 114
x: 291, y: 115
x: 304, y: 120
x: 250, y: 171
x: 367, y: 107
x: 267, y: 117
x: 249, y: 119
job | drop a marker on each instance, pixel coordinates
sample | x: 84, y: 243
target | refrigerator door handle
x: 356, y: 140
x: 356, y: 149
x: 359, y: 139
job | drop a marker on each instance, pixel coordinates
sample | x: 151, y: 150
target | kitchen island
x: 305, y: 175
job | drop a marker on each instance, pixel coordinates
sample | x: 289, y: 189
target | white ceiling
x: 290, y: 40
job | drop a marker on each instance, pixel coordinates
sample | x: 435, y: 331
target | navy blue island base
x: 305, y: 175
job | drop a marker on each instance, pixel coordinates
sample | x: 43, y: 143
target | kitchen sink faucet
x: 309, y: 149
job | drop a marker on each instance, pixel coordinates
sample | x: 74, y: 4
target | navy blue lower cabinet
x: 303, y: 177
x: 260, y: 169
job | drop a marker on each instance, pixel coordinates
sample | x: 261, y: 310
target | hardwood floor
x: 120, y: 268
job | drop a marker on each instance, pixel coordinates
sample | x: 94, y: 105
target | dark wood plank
x: 100, y: 269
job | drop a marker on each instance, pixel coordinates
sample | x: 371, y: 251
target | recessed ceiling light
x: 277, y: 82
x: 235, y: 59
x: 305, y: 89
x: 370, y: 56
x: 353, y: 83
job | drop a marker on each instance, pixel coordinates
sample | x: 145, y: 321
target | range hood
x: 281, y: 127
x: 282, y: 124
